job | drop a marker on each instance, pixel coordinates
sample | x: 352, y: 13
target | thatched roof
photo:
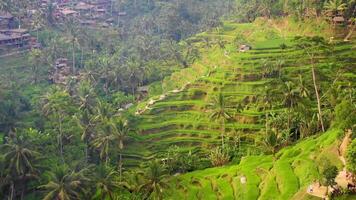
x: 338, y: 19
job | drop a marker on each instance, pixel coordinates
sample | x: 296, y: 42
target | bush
x: 219, y: 157
x: 345, y: 115
x: 177, y: 161
x: 351, y: 156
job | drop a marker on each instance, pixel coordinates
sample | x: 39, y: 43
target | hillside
x: 181, y: 115
x: 177, y: 99
x: 284, y: 176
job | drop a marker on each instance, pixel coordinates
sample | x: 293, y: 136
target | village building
x: 14, y: 38
x: 61, y: 71
x: 83, y: 8
x: 5, y: 20
x: 100, y: 3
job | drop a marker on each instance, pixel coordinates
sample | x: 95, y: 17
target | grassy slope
x: 183, y: 118
x: 284, y: 177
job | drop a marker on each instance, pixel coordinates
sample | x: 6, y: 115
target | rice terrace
x: 177, y: 99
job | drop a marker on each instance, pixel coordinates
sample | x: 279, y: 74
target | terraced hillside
x: 181, y: 115
x: 284, y: 176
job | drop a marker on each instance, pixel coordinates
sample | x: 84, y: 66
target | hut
x: 244, y: 48
x: 338, y: 20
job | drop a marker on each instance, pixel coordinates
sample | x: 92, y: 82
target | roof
x: 5, y: 15
x: 339, y: 19
x: 68, y: 12
x: 83, y: 6
x: 19, y: 30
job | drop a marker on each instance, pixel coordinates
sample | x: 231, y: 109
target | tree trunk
x: 73, y: 57
x: 120, y: 166
x: 320, y: 116
x: 222, y: 134
x: 266, y: 123
x: 60, y: 141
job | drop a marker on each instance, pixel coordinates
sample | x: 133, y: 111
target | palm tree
x: 267, y: 104
x: 104, y: 110
x: 19, y: 156
x: 56, y: 102
x: 302, y: 88
x: 65, y: 184
x: 155, y: 181
x: 122, y: 131
x: 105, y: 182
x: 133, y: 181
x: 220, y: 113
x: 86, y: 118
x: 290, y: 99
x: 272, y: 141
x: 105, y: 137
x: 311, y: 46
x: 334, y: 7
x: 72, y: 31
x: 19, y: 164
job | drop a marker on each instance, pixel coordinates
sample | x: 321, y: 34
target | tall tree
x: 155, y: 181
x: 65, y: 184
x: 220, y: 113
x: 312, y: 47
x: 122, y: 132
x: 105, y: 183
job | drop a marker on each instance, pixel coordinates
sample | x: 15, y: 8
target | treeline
x: 249, y: 10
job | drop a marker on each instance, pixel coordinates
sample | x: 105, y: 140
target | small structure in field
x: 244, y: 48
x: 338, y: 20
x: 61, y: 71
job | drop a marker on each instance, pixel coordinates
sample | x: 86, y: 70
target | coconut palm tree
x: 104, y: 138
x: 65, y: 184
x: 311, y: 46
x: 19, y: 164
x: 122, y: 132
x: 290, y: 98
x: 220, y: 113
x: 55, y: 105
x: 20, y: 157
x: 272, y: 141
x: 105, y: 182
x: 155, y: 181
x: 334, y: 7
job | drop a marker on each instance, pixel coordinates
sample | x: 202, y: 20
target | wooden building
x: 5, y: 20
x: 14, y: 38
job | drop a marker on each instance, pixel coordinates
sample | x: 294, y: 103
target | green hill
x: 181, y: 114
x: 285, y: 176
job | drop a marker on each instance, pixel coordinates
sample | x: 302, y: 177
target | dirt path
x: 152, y: 101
